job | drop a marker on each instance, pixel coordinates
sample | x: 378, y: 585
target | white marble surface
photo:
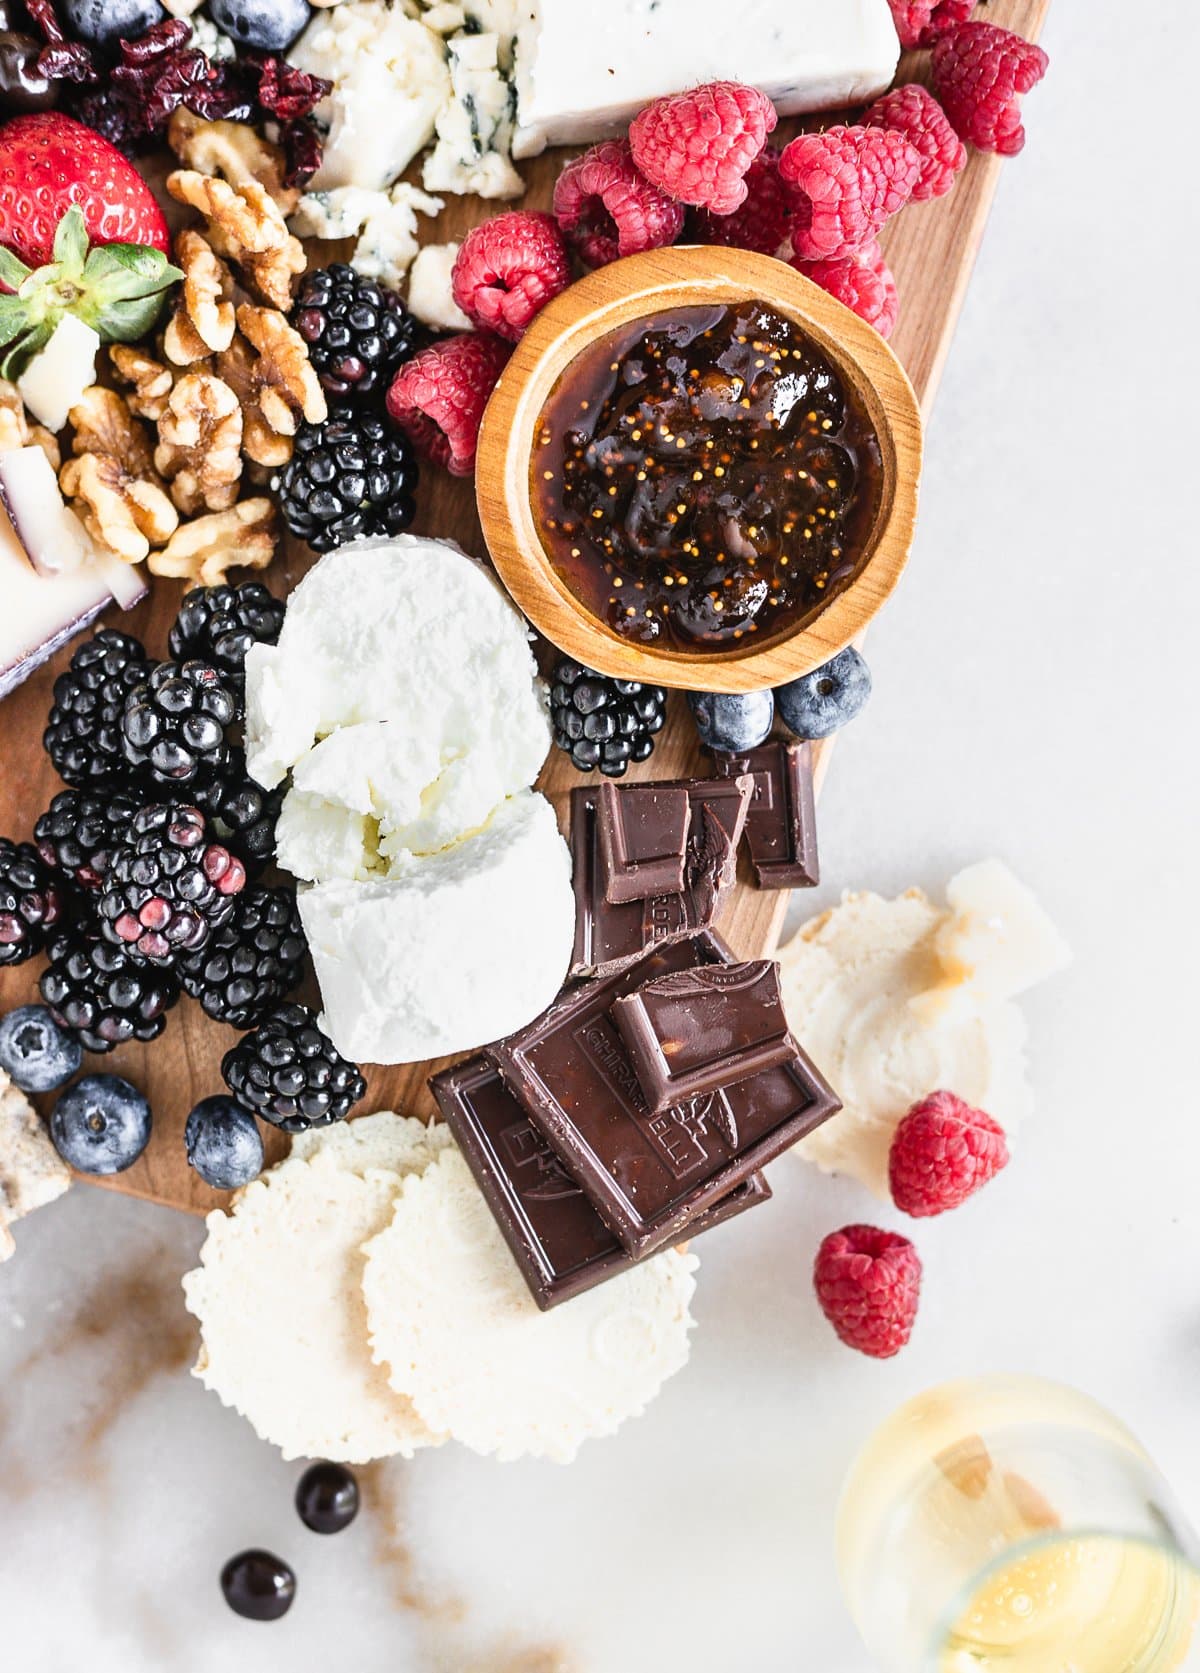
x: 1035, y: 699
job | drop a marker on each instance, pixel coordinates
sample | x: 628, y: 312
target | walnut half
x: 203, y: 322
x: 246, y: 226
x: 112, y: 479
x: 207, y: 548
x: 268, y: 368
x: 235, y: 151
x: 200, y: 444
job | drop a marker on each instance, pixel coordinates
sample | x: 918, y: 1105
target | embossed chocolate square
x: 647, y: 1175
x: 610, y: 935
x: 560, y: 1243
x: 781, y: 821
x: 698, y: 1031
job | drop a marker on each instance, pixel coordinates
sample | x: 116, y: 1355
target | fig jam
x: 705, y: 476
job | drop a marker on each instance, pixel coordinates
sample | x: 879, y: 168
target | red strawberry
x: 47, y: 163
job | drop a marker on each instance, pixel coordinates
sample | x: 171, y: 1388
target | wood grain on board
x: 931, y: 248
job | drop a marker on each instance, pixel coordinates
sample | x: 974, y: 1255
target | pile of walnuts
x: 159, y: 470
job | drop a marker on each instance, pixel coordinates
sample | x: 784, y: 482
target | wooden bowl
x: 614, y: 297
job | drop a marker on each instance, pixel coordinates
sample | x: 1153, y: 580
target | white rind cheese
x: 279, y: 1299
x: 55, y: 379
x: 583, y: 71
x: 390, y: 82
x: 452, y: 1319
x: 453, y: 950
x: 42, y: 612
x: 32, y: 1173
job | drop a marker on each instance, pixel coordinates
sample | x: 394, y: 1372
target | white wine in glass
x: 1010, y: 1525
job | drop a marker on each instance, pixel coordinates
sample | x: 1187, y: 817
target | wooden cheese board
x: 931, y: 248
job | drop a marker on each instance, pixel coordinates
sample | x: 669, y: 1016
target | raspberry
x: 438, y: 397
x: 762, y: 222
x: 942, y: 1152
x: 868, y: 1283
x: 696, y: 146
x: 920, y: 22
x: 847, y: 182
x: 914, y: 112
x: 980, y: 72
x: 606, y: 209
x: 508, y: 269
x: 863, y: 281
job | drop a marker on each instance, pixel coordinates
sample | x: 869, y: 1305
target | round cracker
x: 384, y: 1140
x: 279, y: 1299
x: 451, y: 1317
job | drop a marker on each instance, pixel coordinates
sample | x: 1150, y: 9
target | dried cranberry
x: 161, y: 39
x: 302, y: 150
x: 60, y: 59
x: 282, y: 90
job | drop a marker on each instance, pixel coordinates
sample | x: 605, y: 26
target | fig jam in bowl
x: 700, y: 470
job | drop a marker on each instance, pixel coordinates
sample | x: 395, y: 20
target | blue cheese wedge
x: 583, y: 71
x: 385, y: 224
x: 431, y: 289
x: 390, y: 81
x: 475, y: 126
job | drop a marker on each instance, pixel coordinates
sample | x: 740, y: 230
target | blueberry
x: 821, y: 703
x: 327, y: 1498
x: 223, y: 1143
x: 101, y: 1124
x: 35, y: 1052
x: 732, y: 722
x: 100, y: 22
x: 268, y: 25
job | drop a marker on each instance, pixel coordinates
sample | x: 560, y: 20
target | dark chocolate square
x: 560, y: 1243
x: 699, y: 1031
x: 781, y: 823
x: 610, y: 935
x: 648, y: 1175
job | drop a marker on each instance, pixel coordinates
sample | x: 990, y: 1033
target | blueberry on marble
x: 732, y: 721
x: 327, y: 1498
x: 100, y: 22
x: 258, y: 1585
x: 819, y: 704
x: 35, y: 1053
x: 223, y: 1143
x: 100, y: 1125
x: 267, y: 25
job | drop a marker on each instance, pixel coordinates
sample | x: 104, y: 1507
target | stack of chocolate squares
x: 640, y: 1108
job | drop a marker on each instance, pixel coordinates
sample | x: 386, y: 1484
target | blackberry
x: 252, y: 961
x: 357, y: 331
x: 218, y: 625
x: 603, y: 723
x: 168, y: 886
x: 78, y: 832
x: 31, y: 902
x: 176, y: 723
x: 102, y: 994
x: 83, y: 736
x: 290, y: 1074
x: 242, y: 813
x: 351, y: 476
